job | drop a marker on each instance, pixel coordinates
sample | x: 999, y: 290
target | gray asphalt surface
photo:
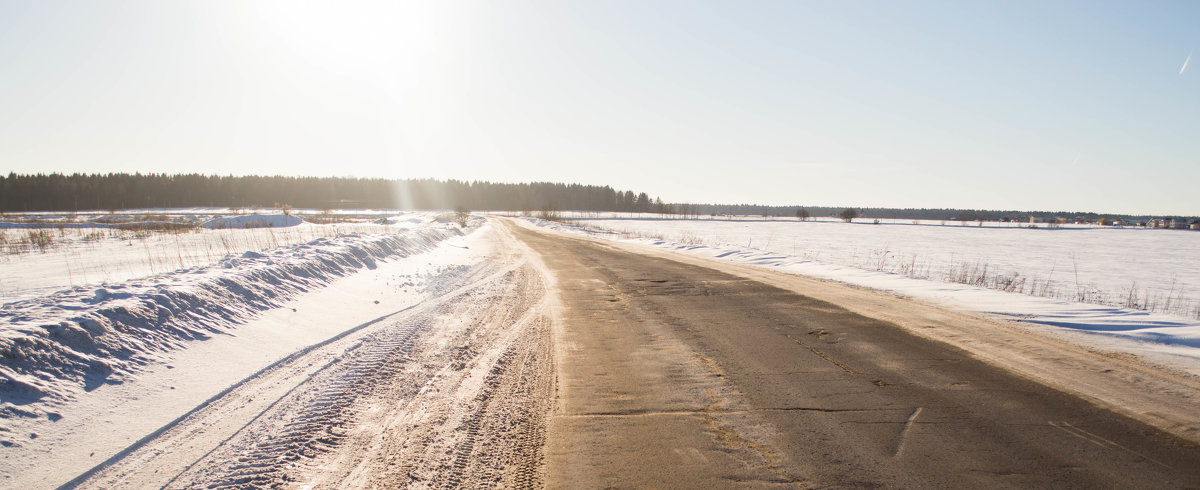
x: 678, y: 376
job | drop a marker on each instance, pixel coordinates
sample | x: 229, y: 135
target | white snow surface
x: 67, y: 352
x: 89, y: 371
x: 1162, y: 263
x: 93, y: 254
x: 253, y: 221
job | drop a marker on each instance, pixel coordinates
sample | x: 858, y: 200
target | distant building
x: 1173, y: 223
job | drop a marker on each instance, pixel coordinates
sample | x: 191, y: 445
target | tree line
x: 945, y: 214
x: 80, y: 192
x: 112, y: 191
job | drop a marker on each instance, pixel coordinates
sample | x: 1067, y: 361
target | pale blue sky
x: 1012, y: 105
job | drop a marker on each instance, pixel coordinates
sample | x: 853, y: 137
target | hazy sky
x: 1008, y: 105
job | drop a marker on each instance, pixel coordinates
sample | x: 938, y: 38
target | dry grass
x: 981, y: 274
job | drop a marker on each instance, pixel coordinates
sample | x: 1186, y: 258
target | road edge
x: 1120, y: 383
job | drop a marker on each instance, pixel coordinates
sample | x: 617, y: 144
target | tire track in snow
x: 368, y: 353
x: 319, y: 425
x: 484, y: 397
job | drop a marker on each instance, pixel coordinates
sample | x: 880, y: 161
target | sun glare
x: 368, y: 40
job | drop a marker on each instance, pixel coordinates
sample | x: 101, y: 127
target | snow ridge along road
x: 452, y: 392
x: 63, y: 344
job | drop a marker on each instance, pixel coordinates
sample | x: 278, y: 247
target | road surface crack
x: 823, y: 355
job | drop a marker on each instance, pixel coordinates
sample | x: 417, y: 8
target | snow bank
x: 55, y: 346
x: 253, y: 221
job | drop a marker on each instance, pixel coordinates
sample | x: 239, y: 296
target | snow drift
x: 56, y: 346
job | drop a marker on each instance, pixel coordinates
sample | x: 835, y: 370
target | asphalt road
x: 676, y: 375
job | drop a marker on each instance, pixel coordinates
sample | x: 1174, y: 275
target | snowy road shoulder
x: 175, y: 340
x: 453, y: 391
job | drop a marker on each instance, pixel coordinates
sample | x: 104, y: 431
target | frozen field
x: 1146, y: 269
x: 1127, y: 290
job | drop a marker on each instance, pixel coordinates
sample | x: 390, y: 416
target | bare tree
x: 848, y: 214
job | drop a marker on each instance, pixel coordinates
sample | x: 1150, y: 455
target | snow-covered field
x: 1125, y: 289
x: 126, y: 309
x: 83, y: 250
